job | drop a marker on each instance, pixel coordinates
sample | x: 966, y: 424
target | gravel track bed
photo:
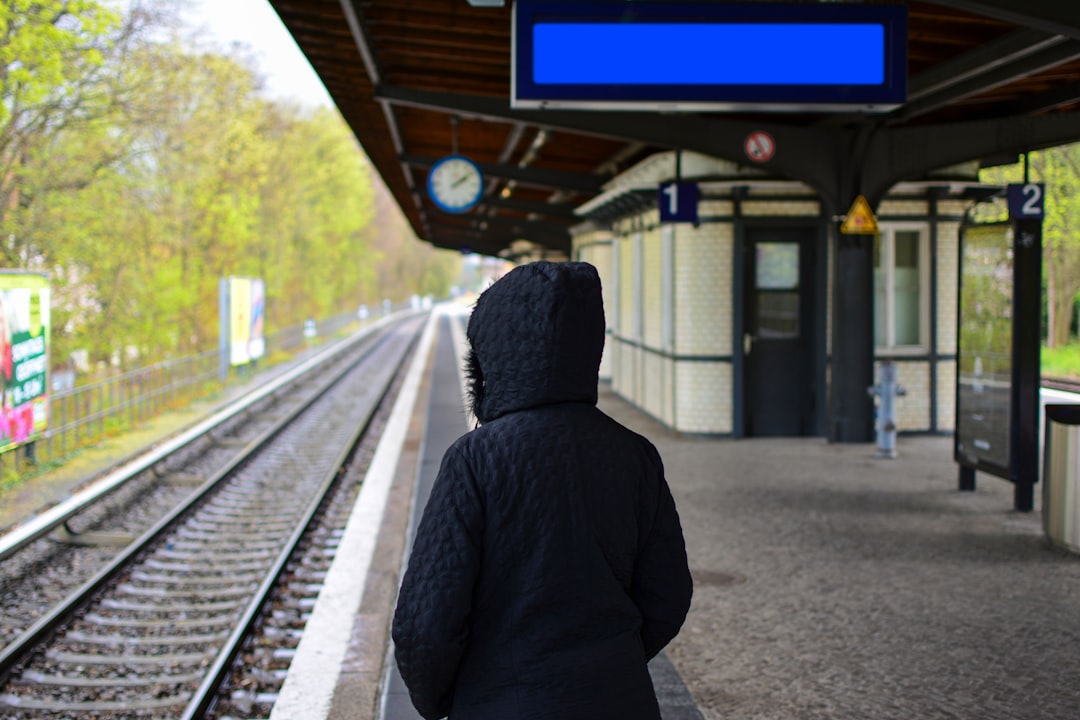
x: 48, y: 570
x: 140, y: 651
x: 260, y: 670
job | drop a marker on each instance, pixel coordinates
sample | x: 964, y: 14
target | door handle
x: 747, y: 342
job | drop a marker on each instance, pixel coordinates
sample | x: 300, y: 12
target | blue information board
x: 709, y: 55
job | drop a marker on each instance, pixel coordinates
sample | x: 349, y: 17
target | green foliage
x: 50, y: 52
x: 401, y: 262
x: 987, y: 298
x: 138, y: 169
x: 1059, y: 169
x: 1061, y: 362
x: 315, y: 219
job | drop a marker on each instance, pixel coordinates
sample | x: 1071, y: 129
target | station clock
x: 455, y: 183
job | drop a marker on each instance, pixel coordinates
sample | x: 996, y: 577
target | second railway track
x: 156, y: 632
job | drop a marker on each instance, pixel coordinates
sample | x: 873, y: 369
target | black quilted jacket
x: 549, y: 565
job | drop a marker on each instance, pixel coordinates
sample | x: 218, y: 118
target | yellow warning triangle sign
x: 860, y: 219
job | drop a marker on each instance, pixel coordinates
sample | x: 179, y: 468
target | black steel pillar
x: 1027, y: 339
x: 851, y: 409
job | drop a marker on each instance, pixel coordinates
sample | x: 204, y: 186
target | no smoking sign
x: 759, y: 146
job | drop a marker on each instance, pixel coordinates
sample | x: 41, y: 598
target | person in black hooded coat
x: 549, y: 565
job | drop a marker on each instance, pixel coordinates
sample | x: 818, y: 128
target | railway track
x: 1063, y: 384
x: 158, y: 630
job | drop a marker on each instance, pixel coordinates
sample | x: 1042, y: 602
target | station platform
x: 829, y: 583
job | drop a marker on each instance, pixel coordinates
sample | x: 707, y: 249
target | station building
x: 762, y: 317
x: 723, y: 327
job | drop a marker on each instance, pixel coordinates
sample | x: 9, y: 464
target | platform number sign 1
x: 678, y: 202
x: 1026, y: 200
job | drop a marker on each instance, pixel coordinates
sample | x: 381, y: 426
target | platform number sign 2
x: 1026, y: 200
x: 678, y: 202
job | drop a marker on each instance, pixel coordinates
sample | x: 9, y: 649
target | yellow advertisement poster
x: 24, y: 358
x: 239, y: 320
x: 247, y: 319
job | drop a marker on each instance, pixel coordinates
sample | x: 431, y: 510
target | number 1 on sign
x: 677, y: 202
x: 672, y: 192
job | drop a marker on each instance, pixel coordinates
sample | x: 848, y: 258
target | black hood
x: 536, y: 337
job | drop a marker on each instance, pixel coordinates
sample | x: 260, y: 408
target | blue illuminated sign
x: 709, y: 55
x: 713, y: 54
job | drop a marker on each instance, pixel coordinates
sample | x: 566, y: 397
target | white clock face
x: 455, y: 183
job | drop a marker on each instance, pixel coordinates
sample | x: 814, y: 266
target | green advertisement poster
x: 24, y: 358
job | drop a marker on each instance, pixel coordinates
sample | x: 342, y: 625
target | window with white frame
x: 901, y: 266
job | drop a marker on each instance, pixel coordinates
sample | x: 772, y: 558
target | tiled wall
x: 702, y: 287
x: 703, y: 397
x: 780, y: 208
x: 595, y: 249
x: 948, y: 266
x: 946, y: 394
x: 912, y: 408
x: 948, y: 259
x: 910, y: 207
x: 678, y: 367
x: 703, y: 300
x: 651, y: 299
x: 687, y: 385
x: 625, y: 322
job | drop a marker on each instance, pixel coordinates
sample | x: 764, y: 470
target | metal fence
x: 89, y: 413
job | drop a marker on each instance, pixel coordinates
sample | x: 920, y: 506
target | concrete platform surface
x: 833, y: 584
x: 829, y: 583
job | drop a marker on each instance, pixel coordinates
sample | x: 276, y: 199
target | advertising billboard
x: 24, y: 358
x: 985, y: 376
x: 247, y: 319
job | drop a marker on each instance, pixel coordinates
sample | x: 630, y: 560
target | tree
x: 315, y: 215
x: 405, y: 265
x: 142, y: 167
x: 63, y: 84
x: 1059, y: 169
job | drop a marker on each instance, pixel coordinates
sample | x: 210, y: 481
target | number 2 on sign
x: 1026, y: 201
x: 1032, y: 206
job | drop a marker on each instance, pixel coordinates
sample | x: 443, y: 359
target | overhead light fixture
x: 487, y: 3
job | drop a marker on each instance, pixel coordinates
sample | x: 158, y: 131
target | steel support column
x: 851, y: 409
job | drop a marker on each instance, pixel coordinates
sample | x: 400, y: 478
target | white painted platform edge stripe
x: 308, y: 690
x: 459, y: 342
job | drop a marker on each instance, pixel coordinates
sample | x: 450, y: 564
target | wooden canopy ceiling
x: 401, y: 71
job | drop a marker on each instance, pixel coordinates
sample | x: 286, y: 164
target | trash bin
x: 1061, y: 476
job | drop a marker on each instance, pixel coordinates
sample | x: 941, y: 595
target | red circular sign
x: 759, y: 146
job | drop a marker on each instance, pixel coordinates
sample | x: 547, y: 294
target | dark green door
x: 777, y: 322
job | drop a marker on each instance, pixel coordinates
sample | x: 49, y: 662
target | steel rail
x: 49, y: 520
x: 46, y: 626
x: 206, y: 694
